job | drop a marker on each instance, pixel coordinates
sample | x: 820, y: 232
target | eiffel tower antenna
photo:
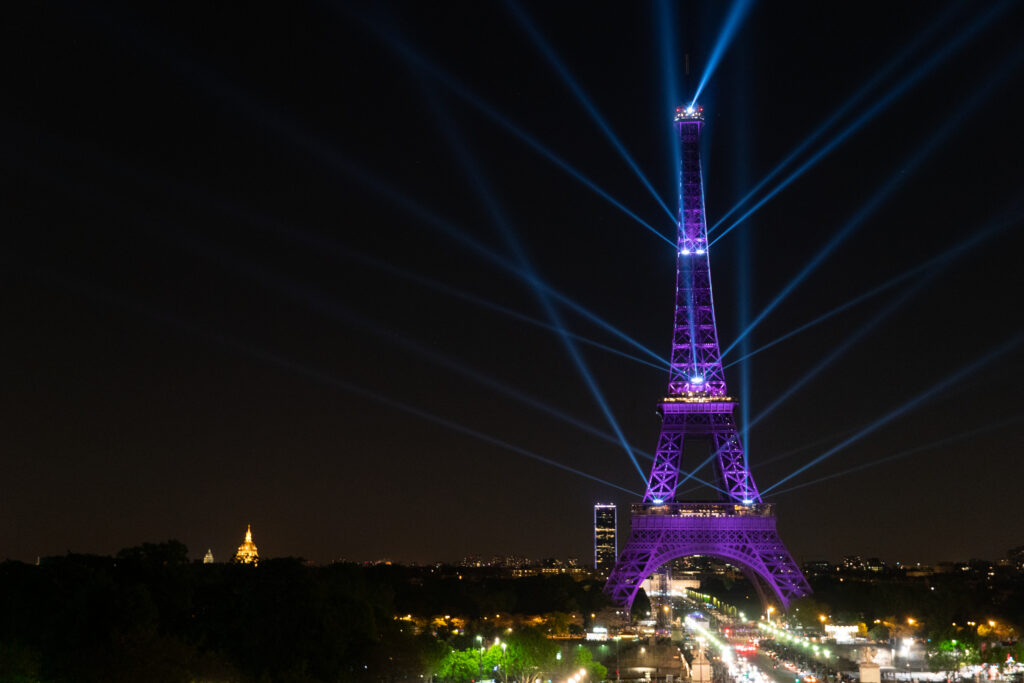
x: 739, y: 527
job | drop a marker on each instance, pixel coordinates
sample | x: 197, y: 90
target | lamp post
x: 480, y: 659
x: 504, y: 665
x: 617, y: 639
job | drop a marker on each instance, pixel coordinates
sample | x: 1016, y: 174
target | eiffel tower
x: 738, y: 527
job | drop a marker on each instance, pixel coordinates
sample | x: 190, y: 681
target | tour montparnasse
x: 738, y: 527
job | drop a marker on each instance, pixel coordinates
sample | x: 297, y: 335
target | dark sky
x: 243, y: 269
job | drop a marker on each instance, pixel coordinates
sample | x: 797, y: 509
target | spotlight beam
x: 737, y: 13
x: 665, y: 23
x: 96, y: 292
x: 549, y: 53
x: 971, y: 433
x: 805, y: 447
x: 271, y: 118
x: 499, y: 218
x: 422, y: 65
x: 701, y: 483
x: 919, y: 73
x: 460, y: 236
x: 909, y: 165
x: 782, y: 456
x: 457, y: 293
x: 941, y: 260
x: 202, y: 198
x: 490, y: 201
x: 318, y: 301
x: 850, y: 341
x: 913, y: 403
x: 851, y: 102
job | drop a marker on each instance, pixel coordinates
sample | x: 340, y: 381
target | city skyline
x: 306, y: 269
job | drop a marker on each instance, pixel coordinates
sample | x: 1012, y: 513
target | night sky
x: 249, y: 275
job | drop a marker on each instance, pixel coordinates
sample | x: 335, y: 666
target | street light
x: 617, y: 639
x: 504, y: 666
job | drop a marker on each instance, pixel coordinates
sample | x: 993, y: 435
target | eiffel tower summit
x: 738, y: 527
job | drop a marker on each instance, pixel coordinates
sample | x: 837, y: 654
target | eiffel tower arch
x: 738, y: 527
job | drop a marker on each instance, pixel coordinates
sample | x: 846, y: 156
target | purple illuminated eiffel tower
x: 738, y: 527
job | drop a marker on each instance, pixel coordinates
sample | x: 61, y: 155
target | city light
x: 785, y: 636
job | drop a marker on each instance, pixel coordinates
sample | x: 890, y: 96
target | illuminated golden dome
x: 247, y: 553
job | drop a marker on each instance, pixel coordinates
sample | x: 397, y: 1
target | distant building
x: 1016, y: 557
x: 606, y: 549
x: 875, y: 565
x: 208, y: 557
x: 853, y: 563
x: 247, y: 553
x: 817, y: 568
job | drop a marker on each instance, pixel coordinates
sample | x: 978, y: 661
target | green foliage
x: 520, y: 658
x: 149, y: 614
x: 806, y: 612
x: 471, y: 664
x: 529, y: 653
x: 584, y: 659
x: 879, y: 632
x: 949, y: 655
x: 18, y: 664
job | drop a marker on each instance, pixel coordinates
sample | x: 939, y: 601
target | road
x: 766, y: 666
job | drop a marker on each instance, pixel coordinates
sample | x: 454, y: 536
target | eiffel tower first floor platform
x: 742, y: 535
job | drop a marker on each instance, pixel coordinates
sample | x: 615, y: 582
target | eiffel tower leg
x: 731, y: 463
x: 633, y: 566
x: 749, y: 542
x: 665, y: 472
x: 787, y: 581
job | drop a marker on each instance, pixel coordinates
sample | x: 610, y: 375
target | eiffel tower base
x: 744, y: 536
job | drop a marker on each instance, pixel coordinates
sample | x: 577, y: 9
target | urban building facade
x: 606, y: 548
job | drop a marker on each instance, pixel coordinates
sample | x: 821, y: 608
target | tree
x: 18, y: 664
x: 950, y: 654
x: 471, y: 664
x: 879, y: 632
x: 529, y: 653
x: 557, y: 623
x: 808, y: 611
x: 584, y: 659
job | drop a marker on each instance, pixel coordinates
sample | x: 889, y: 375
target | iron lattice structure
x: 738, y: 528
